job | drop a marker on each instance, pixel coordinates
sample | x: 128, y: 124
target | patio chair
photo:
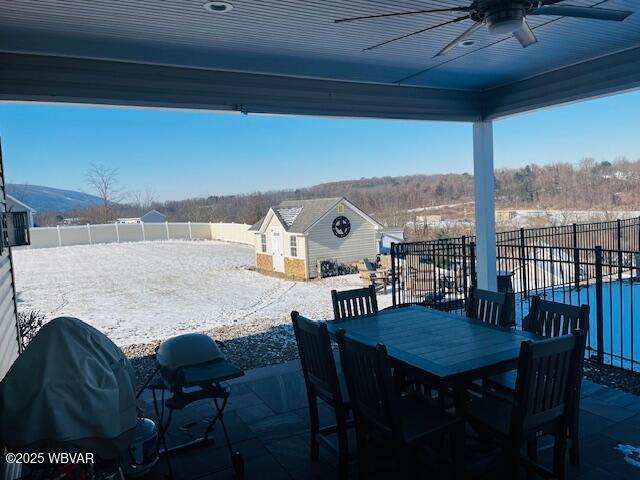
x: 323, y: 380
x: 490, y: 307
x: 371, y: 276
x: 552, y: 319
x: 548, y: 371
x: 406, y: 422
x: 352, y: 303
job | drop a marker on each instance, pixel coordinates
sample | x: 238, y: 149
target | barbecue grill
x: 192, y: 368
x: 71, y: 391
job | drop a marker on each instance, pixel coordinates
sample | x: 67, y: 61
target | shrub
x: 29, y: 322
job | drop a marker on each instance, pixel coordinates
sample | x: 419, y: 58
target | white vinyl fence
x: 42, y: 237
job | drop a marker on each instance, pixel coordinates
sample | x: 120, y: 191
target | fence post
x: 465, y: 283
x: 523, y: 273
x: 59, y: 237
x: 190, y: 234
x: 166, y: 224
x: 144, y: 236
x: 89, y: 232
x: 393, y: 273
x: 472, y: 256
x: 117, y: 233
x: 599, y: 308
x: 619, y: 235
x: 576, y: 259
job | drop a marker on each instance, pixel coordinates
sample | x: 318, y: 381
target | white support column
x: 485, y: 205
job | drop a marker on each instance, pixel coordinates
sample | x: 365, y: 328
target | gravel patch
x: 613, y: 377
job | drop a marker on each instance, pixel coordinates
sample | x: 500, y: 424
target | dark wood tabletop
x: 449, y: 348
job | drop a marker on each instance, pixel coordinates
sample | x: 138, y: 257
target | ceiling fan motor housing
x: 505, y: 17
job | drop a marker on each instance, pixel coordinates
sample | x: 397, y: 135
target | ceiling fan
x: 501, y: 17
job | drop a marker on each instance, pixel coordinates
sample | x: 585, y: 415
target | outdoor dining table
x: 449, y: 350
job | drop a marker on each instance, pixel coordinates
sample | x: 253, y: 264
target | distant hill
x: 48, y: 199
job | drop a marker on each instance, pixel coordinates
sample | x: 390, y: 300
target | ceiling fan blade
x: 415, y: 12
x: 524, y: 35
x: 455, y: 20
x: 467, y: 33
x: 582, y: 12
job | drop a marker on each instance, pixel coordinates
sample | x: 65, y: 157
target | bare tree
x: 104, y: 180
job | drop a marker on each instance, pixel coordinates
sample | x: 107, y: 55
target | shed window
x: 263, y: 242
x: 293, y: 243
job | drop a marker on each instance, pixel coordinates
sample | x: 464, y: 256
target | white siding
x: 274, y: 222
x: 322, y: 244
x: 9, y: 346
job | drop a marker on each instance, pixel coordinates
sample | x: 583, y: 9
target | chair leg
x: 343, y: 444
x: 458, y: 451
x: 574, y: 436
x: 363, y: 461
x: 314, y: 424
x: 511, y: 460
x: 532, y: 453
x: 559, y: 454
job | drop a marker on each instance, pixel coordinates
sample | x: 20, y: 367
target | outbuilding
x: 295, y: 236
x: 15, y: 205
x: 152, y: 216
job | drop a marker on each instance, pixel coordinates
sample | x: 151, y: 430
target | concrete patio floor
x: 268, y: 422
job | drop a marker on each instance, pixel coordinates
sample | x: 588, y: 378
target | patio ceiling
x: 288, y: 56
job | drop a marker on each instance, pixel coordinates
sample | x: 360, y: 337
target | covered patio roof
x: 288, y: 56
x: 291, y: 57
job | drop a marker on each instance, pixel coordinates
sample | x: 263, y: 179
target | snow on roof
x: 289, y: 214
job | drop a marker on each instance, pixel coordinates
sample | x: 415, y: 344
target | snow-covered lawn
x: 139, y: 292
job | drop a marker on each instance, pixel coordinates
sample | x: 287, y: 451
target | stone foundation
x: 264, y: 262
x: 294, y: 268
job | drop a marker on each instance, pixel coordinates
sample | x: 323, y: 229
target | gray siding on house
x: 9, y: 346
x: 322, y: 244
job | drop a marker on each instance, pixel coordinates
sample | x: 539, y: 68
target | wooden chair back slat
x: 369, y: 380
x: 316, y: 358
x: 553, y: 319
x: 353, y: 303
x: 489, y: 307
x: 546, y: 380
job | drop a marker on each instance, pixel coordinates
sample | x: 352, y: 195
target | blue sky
x: 182, y: 154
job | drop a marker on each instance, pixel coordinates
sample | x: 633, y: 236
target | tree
x: 104, y: 180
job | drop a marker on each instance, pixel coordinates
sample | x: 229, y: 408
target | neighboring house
x: 152, y: 216
x: 296, y: 235
x: 15, y: 205
x: 387, y: 236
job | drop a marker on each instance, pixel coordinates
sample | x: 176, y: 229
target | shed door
x: 277, y: 245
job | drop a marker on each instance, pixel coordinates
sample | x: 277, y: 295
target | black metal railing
x: 434, y: 273
x: 557, y: 263
x: 606, y: 280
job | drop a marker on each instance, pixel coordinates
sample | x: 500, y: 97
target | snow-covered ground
x: 139, y: 292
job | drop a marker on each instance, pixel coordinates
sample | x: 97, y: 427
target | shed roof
x: 297, y: 216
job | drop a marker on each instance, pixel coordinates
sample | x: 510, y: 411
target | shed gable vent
x: 289, y: 214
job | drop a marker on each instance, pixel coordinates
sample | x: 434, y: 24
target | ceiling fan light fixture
x: 505, y: 21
